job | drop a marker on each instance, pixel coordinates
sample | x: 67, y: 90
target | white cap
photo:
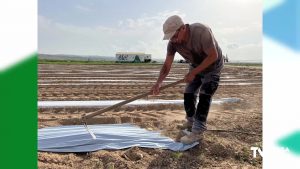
x: 171, y: 25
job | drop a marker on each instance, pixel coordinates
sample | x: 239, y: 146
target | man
x: 197, y: 45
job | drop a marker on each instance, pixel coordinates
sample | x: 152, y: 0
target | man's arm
x: 210, y: 59
x: 164, y: 71
x: 163, y: 74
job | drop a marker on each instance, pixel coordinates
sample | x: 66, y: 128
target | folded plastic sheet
x: 76, y: 138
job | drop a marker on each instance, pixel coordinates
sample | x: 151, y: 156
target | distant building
x: 132, y: 57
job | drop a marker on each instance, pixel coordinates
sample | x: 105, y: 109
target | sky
x: 104, y: 27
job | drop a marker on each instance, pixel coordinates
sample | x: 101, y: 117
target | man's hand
x: 189, y: 77
x: 155, y: 88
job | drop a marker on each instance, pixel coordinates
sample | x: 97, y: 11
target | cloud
x: 246, y: 52
x: 83, y: 8
x: 232, y: 46
x: 151, y: 22
x: 142, y: 34
x: 242, y: 42
x: 58, y: 38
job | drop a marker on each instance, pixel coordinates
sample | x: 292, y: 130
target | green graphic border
x: 18, y: 108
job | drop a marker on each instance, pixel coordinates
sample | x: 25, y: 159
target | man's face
x: 179, y: 35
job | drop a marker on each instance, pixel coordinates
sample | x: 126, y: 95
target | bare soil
x: 115, y: 82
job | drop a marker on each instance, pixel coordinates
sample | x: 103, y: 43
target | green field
x: 244, y: 64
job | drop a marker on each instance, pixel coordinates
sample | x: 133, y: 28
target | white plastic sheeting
x: 105, y: 103
x: 76, y: 138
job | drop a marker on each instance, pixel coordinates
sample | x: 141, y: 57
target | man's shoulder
x: 198, y: 26
x: 198, y: 29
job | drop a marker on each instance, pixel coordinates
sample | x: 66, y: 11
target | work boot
x: 186, y: 125
x: 191, y: 138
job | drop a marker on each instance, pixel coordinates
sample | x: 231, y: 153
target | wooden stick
x: 88, y: 116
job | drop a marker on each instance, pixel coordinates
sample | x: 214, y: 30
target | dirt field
x: 115, y: 82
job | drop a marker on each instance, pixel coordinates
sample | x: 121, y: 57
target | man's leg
x: 203, y: 106
x: 190, y: 109
x: 207, y: 90
x: 190, y: 99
